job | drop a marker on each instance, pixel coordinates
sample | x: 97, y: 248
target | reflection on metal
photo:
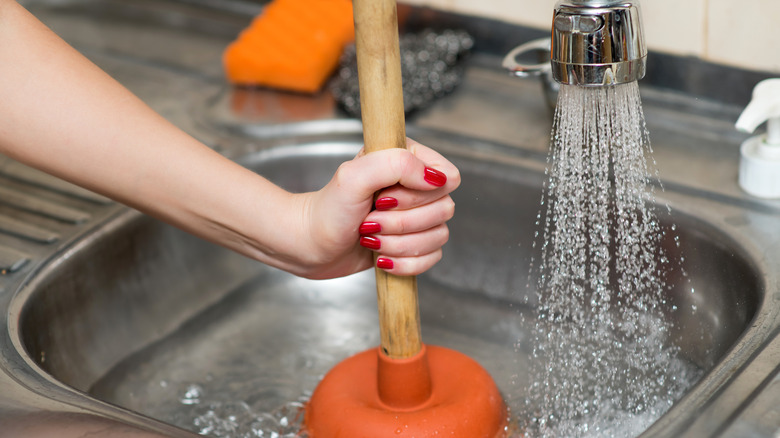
x: 598, y: 43
x: 19, y: 172
x: 27, y: 231
x: 11, y: 260
x: 540, y: 67
x: 36, y: 205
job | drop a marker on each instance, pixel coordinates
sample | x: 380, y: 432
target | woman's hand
x: 56, y: 119
x: 407, y: 226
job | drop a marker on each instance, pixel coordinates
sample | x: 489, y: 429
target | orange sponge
x: 293, y: 45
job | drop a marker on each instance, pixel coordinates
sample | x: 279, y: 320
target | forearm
x: 62, y: 114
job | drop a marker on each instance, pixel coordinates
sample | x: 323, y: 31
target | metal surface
x: 597, y: 43
x: 120, y: 283
x: 595, y: 3
x: 523, y: 70
x: 540, y: 67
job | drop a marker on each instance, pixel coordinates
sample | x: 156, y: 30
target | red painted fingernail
x: 434, y: 177
x: 386, y: 203
x: 370, y: 242
x: 369, y: 228
x: 384, y: 263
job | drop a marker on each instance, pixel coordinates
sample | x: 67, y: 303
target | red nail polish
x: 384, y: 263
x: 434, y: 177
x: 386, y: 203
x: 370, y: 242
x: 369, y: 228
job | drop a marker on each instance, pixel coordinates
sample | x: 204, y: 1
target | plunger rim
x: 465, y: 402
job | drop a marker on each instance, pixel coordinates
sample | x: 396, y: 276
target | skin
x: 62, y: 114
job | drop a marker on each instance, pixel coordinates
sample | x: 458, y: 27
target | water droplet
x: 192, y: 395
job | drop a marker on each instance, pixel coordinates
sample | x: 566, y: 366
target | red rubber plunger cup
x: 372, y: 396
x: 402, y: 388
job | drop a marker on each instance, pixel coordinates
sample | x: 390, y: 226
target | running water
x: 600, y: 338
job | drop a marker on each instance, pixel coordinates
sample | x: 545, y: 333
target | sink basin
x: 142, y: 312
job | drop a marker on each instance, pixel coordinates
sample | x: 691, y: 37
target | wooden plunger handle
x: 382, y: 107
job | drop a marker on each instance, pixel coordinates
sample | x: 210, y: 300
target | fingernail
x: 370, y: 242
x: 384, y: 263
x: 386, y: 203
x: 369, y: 228
x: 435, y: 177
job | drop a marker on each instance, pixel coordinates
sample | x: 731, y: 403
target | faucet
x: 597, y: 42
x: 594, y: 43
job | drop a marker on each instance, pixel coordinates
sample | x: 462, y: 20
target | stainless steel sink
x: 139, y: 310
x: 122, y: 313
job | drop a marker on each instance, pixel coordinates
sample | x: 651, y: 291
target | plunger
x: 402, y: 388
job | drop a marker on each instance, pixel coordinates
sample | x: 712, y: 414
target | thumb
x: 372, y: 172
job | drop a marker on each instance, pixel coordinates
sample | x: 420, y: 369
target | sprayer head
x: 597, y: 43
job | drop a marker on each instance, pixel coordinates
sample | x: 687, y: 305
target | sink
x: 111, y: 315
x: 140, y: 312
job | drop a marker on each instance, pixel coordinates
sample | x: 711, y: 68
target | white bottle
x: 759, y: 167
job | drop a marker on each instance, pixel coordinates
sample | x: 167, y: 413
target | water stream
x: 604, y: 365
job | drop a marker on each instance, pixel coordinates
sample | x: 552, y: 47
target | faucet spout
x: 594, y: 3
x: 597, y: 42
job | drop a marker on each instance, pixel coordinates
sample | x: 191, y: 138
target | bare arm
x: 62, y: 114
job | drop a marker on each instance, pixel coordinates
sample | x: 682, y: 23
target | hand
x: 408, y: 227
x: 138, y: 158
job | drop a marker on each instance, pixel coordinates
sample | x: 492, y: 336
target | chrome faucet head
x: 598, y: 42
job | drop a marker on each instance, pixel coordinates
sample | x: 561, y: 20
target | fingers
x: 397, y: 220
x: 405, y: 254
x: 441, y: 178
x: 408, y: 265
x: 408, y: 241
x: 416, y: 175
x: 407, y: 245
x: 407, y: 228
x: 435, y: 160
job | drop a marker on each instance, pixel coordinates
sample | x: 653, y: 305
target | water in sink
x: 242, y: 368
